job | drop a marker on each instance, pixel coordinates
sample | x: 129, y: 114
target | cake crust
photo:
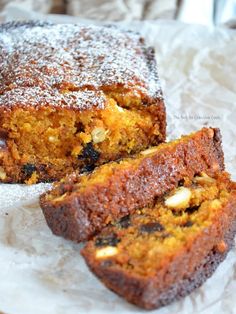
x: 40, y: 59
x: 77, y: 210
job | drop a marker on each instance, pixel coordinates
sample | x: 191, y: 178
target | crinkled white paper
x: 44, y: 274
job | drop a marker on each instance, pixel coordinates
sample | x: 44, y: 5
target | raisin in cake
x: 163, y: 252
x: 81, y: 205
x: 73, y: 97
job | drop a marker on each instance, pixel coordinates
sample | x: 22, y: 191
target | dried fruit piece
x: 111, y: 240
x: 149, y: 151
x: 28, y: 169
x: 124, y: 222
x: 151, y: 227
x: 87, y: 168
x: 89, y: 153
x: 188, y: 224
x: 192, y: 209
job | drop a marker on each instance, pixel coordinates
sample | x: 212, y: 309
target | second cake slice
x: 162, y: 253
x: 81, y: 205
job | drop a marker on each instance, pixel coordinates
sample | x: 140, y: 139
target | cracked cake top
x: 73, y: 65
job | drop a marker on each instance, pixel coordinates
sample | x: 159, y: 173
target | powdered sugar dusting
x: 71, y: 65
x: 36, y: 96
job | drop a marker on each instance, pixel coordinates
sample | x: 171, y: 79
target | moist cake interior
x: 146, y: 241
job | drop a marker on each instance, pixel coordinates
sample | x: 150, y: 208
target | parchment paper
x: 41, y: 273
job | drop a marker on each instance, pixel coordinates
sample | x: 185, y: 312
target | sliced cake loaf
x: 81, y: 205
x: 73, y: 97
x: 163, y: 252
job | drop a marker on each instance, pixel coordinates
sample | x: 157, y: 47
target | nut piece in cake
x: 204, y: 179
x: 180, y: 199
x: 106, y: 251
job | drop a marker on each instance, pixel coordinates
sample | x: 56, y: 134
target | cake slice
x: 81, y: 205
x: 163, y: 252
x: 73, y: 97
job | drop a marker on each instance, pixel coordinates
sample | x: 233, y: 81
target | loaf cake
x: 163, y: 252
x: 81, y: 205
x: 73, y: 97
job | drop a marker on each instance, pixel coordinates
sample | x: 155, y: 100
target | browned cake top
x: 73, y: 65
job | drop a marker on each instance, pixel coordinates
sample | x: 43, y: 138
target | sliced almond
x: 60, y: 198
x: 203, y: 174
x: 98, y: 135
x: 204, y: 179
x: 52, y: 139
x: 180, y: 200
x: 149, y: 151
x: 120, y: 109
x: 106, y: 252
x: 3, y: 174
